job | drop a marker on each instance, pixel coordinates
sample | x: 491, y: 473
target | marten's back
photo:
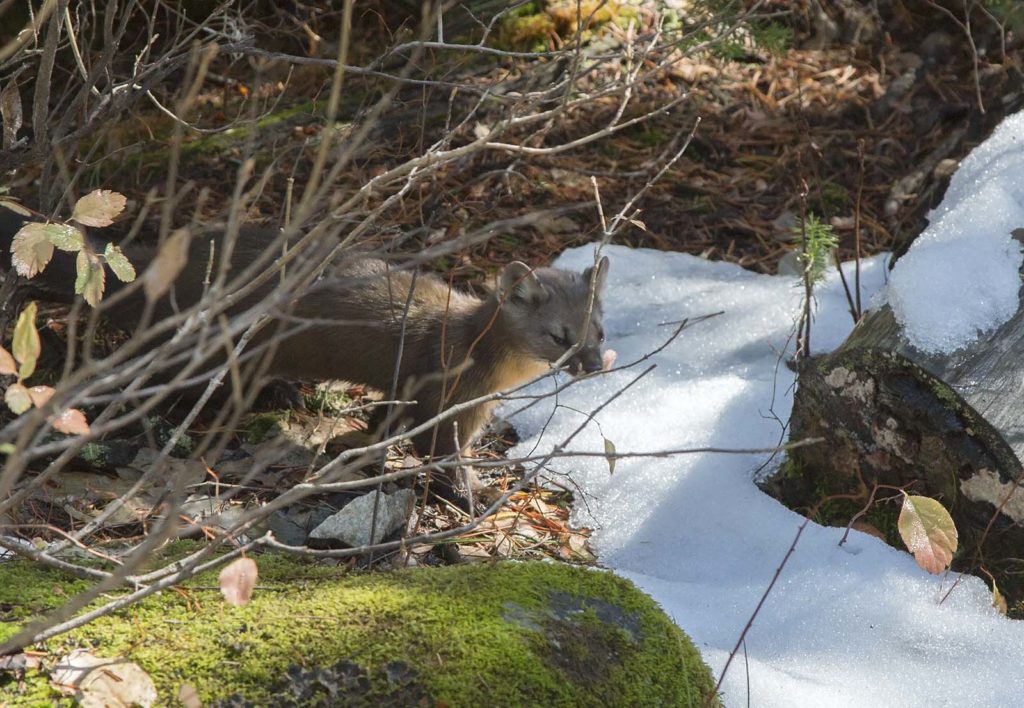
x: 356, y: 317
x: 347, y: 324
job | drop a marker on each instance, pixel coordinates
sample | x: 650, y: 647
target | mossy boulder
x: 522, y: 634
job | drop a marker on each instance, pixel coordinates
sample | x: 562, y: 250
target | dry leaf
x: 31, y: 250
x: 8, y: 367
x: 237, y: 581
x: 40, y: 395
x: 10, y: 112
x: 72, y: 422
x: 21, y: 662
x: 14, y: 206
x: 998, y: 601
x: 169, y: 261
x: 929, y: 532
x: 188, y: 696
x: 99, y: 682
x: 481, y: 130
x: 609, y: 451
x: 99, y: 207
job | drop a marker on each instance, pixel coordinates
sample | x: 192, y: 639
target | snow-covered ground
x: 854, y: 625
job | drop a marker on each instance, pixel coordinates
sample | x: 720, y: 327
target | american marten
x: 457, y: 347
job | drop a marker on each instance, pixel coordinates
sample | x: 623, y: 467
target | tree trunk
x: 949, y: 427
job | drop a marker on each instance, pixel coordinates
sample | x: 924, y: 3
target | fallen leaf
x: 868, y: 528
x: 998, y: 601
x: 928, y: 531
x: 99, y: 682
x: 609, y: 451
x: 237, y: 581
x: 188, y: 696
x: 20, y: 662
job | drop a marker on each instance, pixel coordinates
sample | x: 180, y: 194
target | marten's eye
x: 600, y: 335
x: 560, y: 340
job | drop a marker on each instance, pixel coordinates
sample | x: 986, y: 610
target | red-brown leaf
x: 72, y: 422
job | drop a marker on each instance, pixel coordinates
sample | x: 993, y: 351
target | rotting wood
x: 948, y: 427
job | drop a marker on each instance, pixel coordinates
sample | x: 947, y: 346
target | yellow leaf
x: 609, y: 451
x: 929, y: 532
x: 17, y: 399
x: 26, y: 344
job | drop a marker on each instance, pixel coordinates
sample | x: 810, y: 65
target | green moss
x: 790, y: 469
x: 832, y: 198
x: 263, y: 427
x: 27, y: 591
x: 946, y: 394
x: 327, y: 401
x: 532, y: 26
x: 526, y: 28
x: 510, y: 634
x: 773, y: 37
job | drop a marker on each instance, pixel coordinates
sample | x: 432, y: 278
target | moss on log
x: 524, y: 634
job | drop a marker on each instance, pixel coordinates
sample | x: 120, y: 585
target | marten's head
x: 548, y: 311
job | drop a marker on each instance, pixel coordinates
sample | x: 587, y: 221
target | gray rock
x: 351, y: 525
x: 285, y: 530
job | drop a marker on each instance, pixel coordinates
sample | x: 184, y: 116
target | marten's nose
x: 590, y: 362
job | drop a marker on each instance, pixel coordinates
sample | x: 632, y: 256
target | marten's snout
x: 586, y: 361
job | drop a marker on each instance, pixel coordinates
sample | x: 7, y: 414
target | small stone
x: 351, y: 525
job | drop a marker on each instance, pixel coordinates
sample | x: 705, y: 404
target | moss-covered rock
x: 520, y: 634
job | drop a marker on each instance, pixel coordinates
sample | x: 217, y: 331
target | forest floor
x: 860, y: 123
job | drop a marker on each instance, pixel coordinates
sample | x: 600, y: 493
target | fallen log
x: 948, y: 426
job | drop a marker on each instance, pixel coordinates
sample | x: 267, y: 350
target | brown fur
x: 457, y: 347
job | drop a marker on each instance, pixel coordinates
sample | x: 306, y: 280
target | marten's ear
x: 602, y: 275
x: 519, y: 282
